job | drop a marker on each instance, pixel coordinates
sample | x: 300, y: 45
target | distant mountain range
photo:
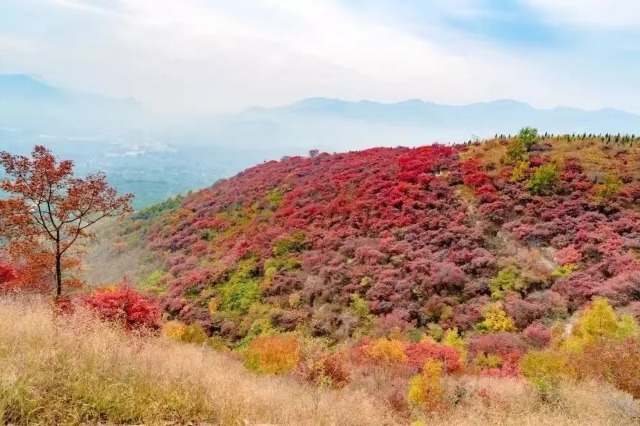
x: 331, y: 124
x: 29, y: 104
x: 120, y: 134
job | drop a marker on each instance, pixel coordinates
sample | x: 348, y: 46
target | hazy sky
x: 223, y: 55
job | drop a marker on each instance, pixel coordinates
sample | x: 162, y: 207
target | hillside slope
x: 524, y: 230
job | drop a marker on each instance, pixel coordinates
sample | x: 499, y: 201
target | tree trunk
x: 58, y: 275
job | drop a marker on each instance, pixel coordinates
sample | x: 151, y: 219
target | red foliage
x: 62, y: 306
x: 324, y: 368
x: 67, y: 206
x: 502, y: 344
x: 7, y: 274
x: 568, y: 255
x: 125, y: 306
x: 510, y: 366
x: 537, y: 336
x: 419, y: 353
x: 472, y: 174
x: 535, y: 161
x: 393, y: 226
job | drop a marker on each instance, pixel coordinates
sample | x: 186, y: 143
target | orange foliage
x: 386, y: 352
x: 419, y: 353
x: 617, y: 362
x: 273, y: 354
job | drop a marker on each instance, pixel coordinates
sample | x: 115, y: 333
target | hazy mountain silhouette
x: 324, y: 123
x: 29, y: 104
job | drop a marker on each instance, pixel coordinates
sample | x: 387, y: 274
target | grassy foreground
x: 77, y: 370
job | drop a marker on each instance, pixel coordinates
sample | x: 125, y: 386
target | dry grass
x: 514, y: 402
x: 79, y: 371
x: 76, y: 370
x: 594, y: 154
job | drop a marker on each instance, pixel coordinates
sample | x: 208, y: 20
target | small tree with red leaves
x: 48, y: 209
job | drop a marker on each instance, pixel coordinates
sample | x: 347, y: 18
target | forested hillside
x: 526, y: 229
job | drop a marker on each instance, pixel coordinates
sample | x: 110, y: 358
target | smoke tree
x: 48, y: 209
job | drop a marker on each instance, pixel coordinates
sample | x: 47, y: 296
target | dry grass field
x: 77, y: 370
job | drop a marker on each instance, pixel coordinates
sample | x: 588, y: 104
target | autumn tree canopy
x: 48, y: 209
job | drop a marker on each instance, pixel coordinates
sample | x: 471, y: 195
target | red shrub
x: 500, y: 343
x: 537, y: 336
x: 510, y: 366
x: 568, y: 255
x: 535, y: 161
x: 125, y: 306
x: 419, y: 353
x: 325, y: 369
x: 62, y: 306
x: 7, y: 274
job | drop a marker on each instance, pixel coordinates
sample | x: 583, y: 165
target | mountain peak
x: 25, y: 86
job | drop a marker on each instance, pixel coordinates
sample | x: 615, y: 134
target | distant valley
x: 158, y: 156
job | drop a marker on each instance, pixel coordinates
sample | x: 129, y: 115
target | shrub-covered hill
x: 511, y: 234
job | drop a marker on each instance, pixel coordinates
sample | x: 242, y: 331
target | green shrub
x: 544, y: 180
x: 609, y: 188
x: 503, y: 283
x: 242, y: 288
x: 290, y: 244
x: 516, y: 152
x: 528, y: 136
x: 520, y: 171
x: 156, y: 210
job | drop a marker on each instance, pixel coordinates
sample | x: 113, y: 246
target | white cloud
x: 100, y: 7
x: 14, y: 43
x: 216, y: 55
x: 590, y: 13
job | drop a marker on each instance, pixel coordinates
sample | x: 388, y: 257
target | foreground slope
x: 77, y: 370
x: 521, y: 229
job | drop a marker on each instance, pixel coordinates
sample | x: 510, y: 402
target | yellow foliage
x: 446, y: 313
x: 488, y: 361
x: 294, y: 300
x: 516, y: 151
x: 193, y: 333
x: 452, y: 338
x: 213, y: 306
x: 520, y: 171
x: 545, y: 365
x: 174, y: 330
x: 426, y: 390
x: 627, y: 327
x: 599, y: 322
x: 609, y: 188
x: 496, y: 319
x: 386, y: 352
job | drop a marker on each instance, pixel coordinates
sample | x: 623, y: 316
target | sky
x: 216, y: 56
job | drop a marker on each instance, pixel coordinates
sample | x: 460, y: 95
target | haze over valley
x: 159, y: 156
